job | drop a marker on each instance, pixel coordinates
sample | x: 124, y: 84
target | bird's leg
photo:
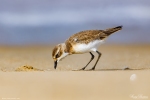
x: 92, y: 57
x: 99, y: 55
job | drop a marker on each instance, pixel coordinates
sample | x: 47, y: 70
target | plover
x: 82, y: 42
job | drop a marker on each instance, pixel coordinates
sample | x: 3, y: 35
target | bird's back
x: 91, y: 35
x: 85, y: 36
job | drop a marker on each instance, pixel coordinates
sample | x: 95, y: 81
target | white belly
x: 92, y: 46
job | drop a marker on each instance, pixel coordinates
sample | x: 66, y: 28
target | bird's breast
x: 82, y: 47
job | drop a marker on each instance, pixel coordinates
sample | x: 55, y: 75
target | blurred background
x: 48, y: 22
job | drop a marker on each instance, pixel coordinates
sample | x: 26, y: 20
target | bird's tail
x: 112, y: 30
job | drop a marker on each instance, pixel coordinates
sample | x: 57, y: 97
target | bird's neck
x: 64, y: 47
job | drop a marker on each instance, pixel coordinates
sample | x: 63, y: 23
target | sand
x: 27, y: 73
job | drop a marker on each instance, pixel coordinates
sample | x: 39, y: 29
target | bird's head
x: 59, y: 53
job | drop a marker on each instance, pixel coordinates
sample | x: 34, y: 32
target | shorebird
x: 82, y: 42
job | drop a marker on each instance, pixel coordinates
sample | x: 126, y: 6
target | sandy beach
x: 27, y: 73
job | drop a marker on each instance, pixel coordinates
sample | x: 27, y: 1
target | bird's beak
x: 55, y: 64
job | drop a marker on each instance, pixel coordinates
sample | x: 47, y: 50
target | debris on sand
x: 126, y: 68
x: 27, y: 68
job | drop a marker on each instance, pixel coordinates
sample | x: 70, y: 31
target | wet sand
x: 109, y: 81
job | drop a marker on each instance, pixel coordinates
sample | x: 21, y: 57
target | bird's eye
x: 102, y: 38
x: 57, y: 56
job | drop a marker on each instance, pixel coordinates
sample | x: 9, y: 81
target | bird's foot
x: 79, y: 69
x: 92, y: 69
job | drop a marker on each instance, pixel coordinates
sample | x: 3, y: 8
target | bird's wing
x: 85, y: 36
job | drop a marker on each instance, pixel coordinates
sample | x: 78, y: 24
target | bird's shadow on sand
x: 125, y: 69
